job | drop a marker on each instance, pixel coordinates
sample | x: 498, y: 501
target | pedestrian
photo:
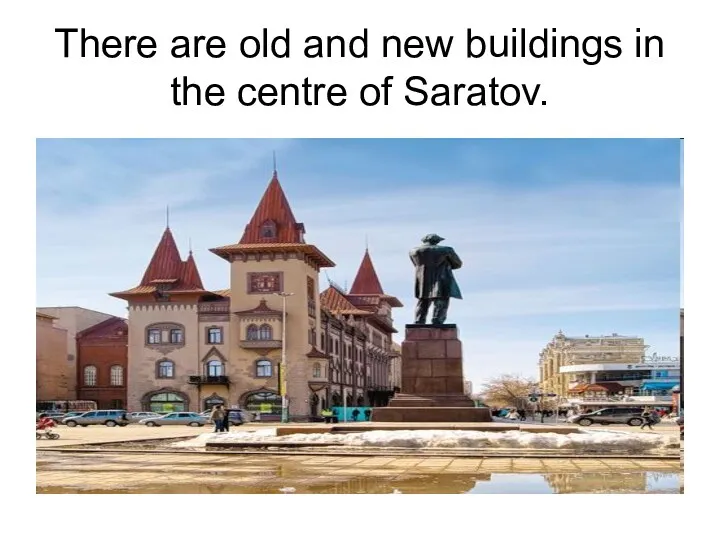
x: 355, y: 414
x: 226, y: 419
x: 217, y: 416
x: 327, y: 414
x: 521, y: 413
x: 647, y: 417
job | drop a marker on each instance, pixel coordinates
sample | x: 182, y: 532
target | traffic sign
x: 533, y: 399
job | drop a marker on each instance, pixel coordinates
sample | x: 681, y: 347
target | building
x: 54, y: 373
x: 102, y: 352
x: 190, y: 348
x: 468, y: 388
x: 74, y: 319
x: 396, y: 367
x: 567, y: 351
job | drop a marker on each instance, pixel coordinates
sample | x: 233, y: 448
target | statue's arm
x: 455, y: 261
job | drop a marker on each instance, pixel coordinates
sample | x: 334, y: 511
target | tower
x: 165, y: 342
x: 272, y: 257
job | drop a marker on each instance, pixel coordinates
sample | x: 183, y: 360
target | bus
x: 80, y: 405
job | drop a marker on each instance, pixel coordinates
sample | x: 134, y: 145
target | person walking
x: 226, y: 419
x: 647, y: 417
x: 217, y: 416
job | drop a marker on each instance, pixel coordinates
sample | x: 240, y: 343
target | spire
x: 167, y: 216
x: 166, y: 262
x: 273, y: 221
x: 366, y: 281
x: 189, y: 275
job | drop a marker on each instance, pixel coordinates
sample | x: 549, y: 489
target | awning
x: 658, y: 385
x: 609, y: 387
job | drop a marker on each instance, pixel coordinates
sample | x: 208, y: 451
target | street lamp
x: 285, y: 418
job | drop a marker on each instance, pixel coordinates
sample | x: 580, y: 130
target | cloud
x: 549, y: 249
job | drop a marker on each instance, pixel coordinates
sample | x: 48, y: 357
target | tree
x: 508, y: 391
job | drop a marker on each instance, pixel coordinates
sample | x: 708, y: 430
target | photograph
x: 359, y: 316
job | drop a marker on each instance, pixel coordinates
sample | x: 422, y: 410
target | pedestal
x: 432, y: 387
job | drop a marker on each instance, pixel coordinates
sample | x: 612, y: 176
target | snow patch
x: 585, y: 440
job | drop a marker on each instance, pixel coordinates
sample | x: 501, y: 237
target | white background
x: 45, y: 95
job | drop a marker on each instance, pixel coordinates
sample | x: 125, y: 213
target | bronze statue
x: 434, y: 281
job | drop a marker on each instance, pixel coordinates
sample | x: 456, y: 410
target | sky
x: 582, y: 235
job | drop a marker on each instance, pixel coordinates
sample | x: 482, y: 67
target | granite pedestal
x: 432, y: 386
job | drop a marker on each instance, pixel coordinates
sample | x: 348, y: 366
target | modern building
x: 571, y: 351
x: 190, y: 348
x: 54, y: 373
x: 73, y: 319
x: 102, y: 352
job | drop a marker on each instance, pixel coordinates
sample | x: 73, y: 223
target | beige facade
x: 54, y: 374
x: 74, y: 319
x: 396, y: 366
x: 190, y: 348
x: 563, y: 351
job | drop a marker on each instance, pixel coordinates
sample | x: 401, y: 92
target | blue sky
x: 579, y: 235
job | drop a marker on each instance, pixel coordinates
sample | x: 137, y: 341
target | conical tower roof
x: 166, y: 261
x: 366, y: 280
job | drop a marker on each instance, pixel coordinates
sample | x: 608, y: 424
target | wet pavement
x: 192, y: 473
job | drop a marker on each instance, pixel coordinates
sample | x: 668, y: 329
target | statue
x: 434, y: 281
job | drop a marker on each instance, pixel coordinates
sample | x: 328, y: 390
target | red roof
x: 334, y: 301
x: 366, y: 280
x: 165, y: 262
x: 167, y: 268
x: 273, y: 221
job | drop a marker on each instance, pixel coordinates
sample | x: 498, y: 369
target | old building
x: 54, y: 373
x: 190, y: 348
x: 569, y: 351
x: 74, y: 319
x: 102, y: 353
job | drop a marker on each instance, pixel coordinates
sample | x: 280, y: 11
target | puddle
x: 204, y: 473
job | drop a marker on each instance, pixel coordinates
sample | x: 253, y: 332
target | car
x: 175, y: 419
x: 680, y: 421
x: 110, y: 418
x: 135, y: 417
x: 631, y: 416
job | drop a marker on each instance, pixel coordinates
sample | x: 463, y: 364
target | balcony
x: 208, y: 379
x: 214, y: 307
x: 261, y: 344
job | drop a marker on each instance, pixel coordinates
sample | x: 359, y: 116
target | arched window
x: 265, y: 332
x: 165, y: 369
x: 253, y: 333
x: 263, y: 368
x: 90, y: 376
x: 215, y: 368
x: 268, y: 229
x: 116, y: 376
x: 167, y: 402
x: 316, y: 370
x: 264, y: 402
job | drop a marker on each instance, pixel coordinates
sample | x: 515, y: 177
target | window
x: 165, y: 369
x: 263, y: 368
x: 167, y: 402
x: 116, y: 403
x: 316, y: 370
x: 214, y: 335
x: 253, y: 334
x: 176, y: 335
x: 264, y: 403
x: 154, y: 335
x: 268, y: 229
x: 265, y: 332
x: 215, y: 368
x: 116, y: 376
x: 90, y: 376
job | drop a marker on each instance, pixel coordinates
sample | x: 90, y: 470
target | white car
x: 175, y: 419
x: 135, y: 417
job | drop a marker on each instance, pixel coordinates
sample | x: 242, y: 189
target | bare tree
x: 508, y: 391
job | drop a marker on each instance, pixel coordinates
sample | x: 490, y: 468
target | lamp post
x: 285, y: 418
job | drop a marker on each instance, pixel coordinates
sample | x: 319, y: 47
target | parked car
x: 135, y: 417
x: 631, y: 416
x: 176, y: 419
x: 110, y: 418
x: 680, y: 421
